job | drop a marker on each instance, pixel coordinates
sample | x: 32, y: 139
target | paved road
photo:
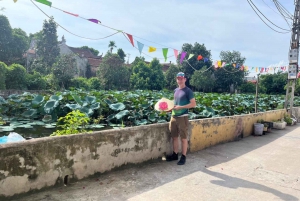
x: 254, y: 168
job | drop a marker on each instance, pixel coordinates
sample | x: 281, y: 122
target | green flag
x: 165, y: 53
x: 48, y: 3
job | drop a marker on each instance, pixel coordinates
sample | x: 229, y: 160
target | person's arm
x: 192, y: 104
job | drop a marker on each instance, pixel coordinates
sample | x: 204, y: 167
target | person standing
x: 183, y: 100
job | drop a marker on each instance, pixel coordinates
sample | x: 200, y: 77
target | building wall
x: 80, y: 62
x: 44, y: 162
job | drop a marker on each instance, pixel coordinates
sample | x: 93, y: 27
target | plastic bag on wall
x: 12, y: 137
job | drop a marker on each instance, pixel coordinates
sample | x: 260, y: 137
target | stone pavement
x: 255, y: 168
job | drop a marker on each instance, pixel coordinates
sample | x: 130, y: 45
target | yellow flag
x: 152, y: 49
x: 219, y: 64
x: 15, y: 1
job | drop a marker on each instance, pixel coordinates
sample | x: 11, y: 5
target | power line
x: 264, y: 21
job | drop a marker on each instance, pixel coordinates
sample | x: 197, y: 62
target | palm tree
x: 111, y: 45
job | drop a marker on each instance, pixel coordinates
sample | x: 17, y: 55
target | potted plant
x: 279, y: 124
x: 259, y: 127
x: 288, y: 120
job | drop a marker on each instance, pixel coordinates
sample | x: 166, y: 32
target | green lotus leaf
x: 26, y: 104
x: 121, y: 114
x: 161, y: 121
x: 50, y: 106
x: 145, y: 106
x: 152, y: 117
x: 29, y: 113
x: 7, y: 128
x: 89, y: 112
x: 24, y: 126
x: 73, y: 106
x: 49, y: 126
x: 96, y: 126
x: 107, y: 101
x: 38, y: 100
x: 90, y: 99
x: 77, y: 98
x: 56, y: 98
x: 2, y: 100
x: 95, y: 106
x: 47, y: 118
x: 141, y: 122
x: 110, y: 117
x: 117, y: 106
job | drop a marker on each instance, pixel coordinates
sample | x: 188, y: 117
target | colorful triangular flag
x: 165, y: 53
x: 176, y: 53
x: 182, y: 56
x: 190, y: 56
x: 131, y: 39
x: 140, y: 46
x: 152, y: 49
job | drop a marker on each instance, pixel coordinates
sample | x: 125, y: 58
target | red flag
x: 130, y: 38
x: 71, y: 14
x: 199, y: 58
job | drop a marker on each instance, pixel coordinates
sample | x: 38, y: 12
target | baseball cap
x: 180, y: 74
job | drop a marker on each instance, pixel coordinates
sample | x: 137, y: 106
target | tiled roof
x: 94, y: 62
x: 83, y: 52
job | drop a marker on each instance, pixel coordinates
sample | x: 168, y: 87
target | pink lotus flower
x: 163, y: 105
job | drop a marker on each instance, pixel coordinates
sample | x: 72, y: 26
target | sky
x: 221, y: 25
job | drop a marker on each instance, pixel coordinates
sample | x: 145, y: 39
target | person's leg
x: 175, y: 144
x: 183, y: 132
x: 174, y: 134
x: 184, y: 145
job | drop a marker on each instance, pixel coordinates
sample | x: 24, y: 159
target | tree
x: 170, y: 76
x: 20, y: 43
x: 193, y: 64
x: 230, y: 75
x: 64, y: 69
x: 16, y: 77
x: 5, y: 39
x: 121, y: 54
x: 93, y: 51
x: 147, y: 76
x: 111, y: 45
x: 203, y: 79
x: 3, y: 70
x: 112, y: 73
x: 47, y: 46
x: 273, y: 83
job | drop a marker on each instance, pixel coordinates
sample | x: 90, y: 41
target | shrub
x: 16, y: 77
x: 94, y: 83
x: 36, y: 81
x: 3, y: 70
x: 80, y: 83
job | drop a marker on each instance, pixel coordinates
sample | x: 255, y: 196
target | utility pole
x: 293, y: 59
x: 256, y: 93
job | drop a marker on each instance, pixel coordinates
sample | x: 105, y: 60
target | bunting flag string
x: 140, y: 46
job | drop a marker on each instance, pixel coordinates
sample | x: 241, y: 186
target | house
x: 83, y: 57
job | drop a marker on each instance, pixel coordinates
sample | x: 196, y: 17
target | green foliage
x: 171, y: 76
x: 74, y: 122
x: 5, y: 39
x: 80, y: 83
x: 93, y: 51
x: 3, y: 70
x: 121, y: 54
x: 47, y: 46
x: 203, y: 79
x: 229, y: 75
x: 112, y: 45
x: 247, y: 87
x: 273, y: 83
x: 20, y: 44
x: 94, y: 83
x: 288, y: 119
x: 197, y: 49
x: 35, y: 81
x: 147, y: 76
x: 112, y: 73
x: 16, y: 77
x: 64, y: 69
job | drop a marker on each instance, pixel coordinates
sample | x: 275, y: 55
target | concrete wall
x: 44, y: 162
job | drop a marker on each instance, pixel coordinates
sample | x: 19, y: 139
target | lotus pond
x: 36, y: 115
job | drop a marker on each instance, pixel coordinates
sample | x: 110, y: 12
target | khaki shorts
x: 179, y: 126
